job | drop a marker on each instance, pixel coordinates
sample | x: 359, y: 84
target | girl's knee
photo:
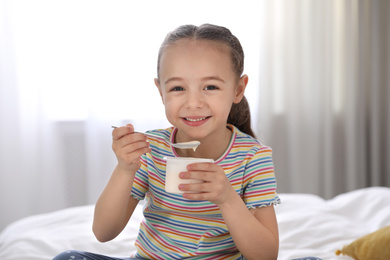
x: 69, y: 255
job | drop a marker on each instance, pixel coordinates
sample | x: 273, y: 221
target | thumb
x: 131, y: 127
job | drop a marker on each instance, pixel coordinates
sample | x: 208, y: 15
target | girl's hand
x: 128, y: 147
x: 215, y: 188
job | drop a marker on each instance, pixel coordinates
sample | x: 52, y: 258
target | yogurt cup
x: 176, y: 165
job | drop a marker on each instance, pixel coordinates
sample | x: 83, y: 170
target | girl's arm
x: 116, y: 205
x: 255, y: 232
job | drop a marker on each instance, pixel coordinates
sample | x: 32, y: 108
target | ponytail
x: 240, y: 117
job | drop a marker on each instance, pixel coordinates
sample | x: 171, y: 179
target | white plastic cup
x: 176, y: 165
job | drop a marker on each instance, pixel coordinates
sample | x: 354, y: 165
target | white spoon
x: 185, y: 145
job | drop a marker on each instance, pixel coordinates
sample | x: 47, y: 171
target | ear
x: 157, y: 83
x: 242, y: 82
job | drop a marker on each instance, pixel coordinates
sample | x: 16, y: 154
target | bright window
x: 81, y: 57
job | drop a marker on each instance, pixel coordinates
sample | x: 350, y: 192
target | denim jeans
x: 307, y: 258
x: 80, y: 255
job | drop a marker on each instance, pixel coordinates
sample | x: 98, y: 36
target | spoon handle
x: 157, y: 136
x: 186, y: 145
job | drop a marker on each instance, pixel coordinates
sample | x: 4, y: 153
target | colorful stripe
x: 176, y: 228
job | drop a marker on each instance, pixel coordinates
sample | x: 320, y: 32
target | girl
x: 230, y: 215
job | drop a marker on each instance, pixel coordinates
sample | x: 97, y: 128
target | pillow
x: 374, y: 246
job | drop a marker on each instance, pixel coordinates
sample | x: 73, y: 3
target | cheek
x: 226, y: 103
x: 227, y: 112
x: 171, y: 107
x: 223, y: 109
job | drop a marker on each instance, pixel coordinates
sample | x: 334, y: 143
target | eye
x: 211, y: 87
x: 177, y: 88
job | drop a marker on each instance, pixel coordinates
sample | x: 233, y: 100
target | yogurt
x: 176, y: 165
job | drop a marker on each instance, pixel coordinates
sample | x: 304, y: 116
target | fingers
x: 204, y: 187
x: 215, y: 186
x: 119, y: 132
x: 203, y: 171
x: 217, y: 193
x: 129, y: 139
x: 129, y: 146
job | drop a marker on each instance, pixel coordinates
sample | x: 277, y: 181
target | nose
x: 195, y: 99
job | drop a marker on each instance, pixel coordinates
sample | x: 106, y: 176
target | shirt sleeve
x: 259, y: 188
x: 141, y: 180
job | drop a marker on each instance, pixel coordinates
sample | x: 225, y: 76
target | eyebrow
x: 173, y: 79
x: 203, y: 79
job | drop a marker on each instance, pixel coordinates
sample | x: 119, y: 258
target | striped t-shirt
x: 178, y: 228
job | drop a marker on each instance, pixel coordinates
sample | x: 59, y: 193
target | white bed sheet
x: 312, y: 226
x: 308, y: 226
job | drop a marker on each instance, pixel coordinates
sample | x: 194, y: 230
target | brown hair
x: 239, y: 115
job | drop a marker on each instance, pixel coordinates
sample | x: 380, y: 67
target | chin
x: 193, y: 134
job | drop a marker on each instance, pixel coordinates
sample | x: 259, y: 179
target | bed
x: 308, y: 226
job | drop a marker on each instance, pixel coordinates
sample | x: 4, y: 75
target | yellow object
x: 374, y: 246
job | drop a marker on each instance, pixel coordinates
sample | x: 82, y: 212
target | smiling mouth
x: 196, y: 119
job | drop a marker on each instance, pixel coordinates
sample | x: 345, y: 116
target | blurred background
x: 319, y: 90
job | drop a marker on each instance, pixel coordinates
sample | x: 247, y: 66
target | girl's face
x: 198, y: 87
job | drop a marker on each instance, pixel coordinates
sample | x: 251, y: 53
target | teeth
x: 195, y: 120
